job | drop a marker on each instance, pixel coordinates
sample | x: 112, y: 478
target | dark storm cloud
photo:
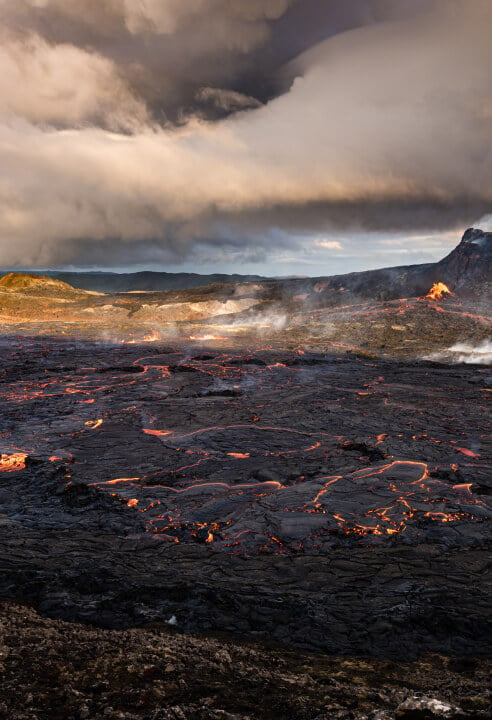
x: 151, y: 130
x: 168, y: 52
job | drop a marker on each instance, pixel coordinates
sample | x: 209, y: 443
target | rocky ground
x: 52, y: 670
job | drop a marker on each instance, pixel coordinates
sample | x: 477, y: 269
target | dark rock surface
x: 396, y: 602
x: 337, y: 503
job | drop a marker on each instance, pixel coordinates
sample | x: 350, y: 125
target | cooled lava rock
x: 333, y: 503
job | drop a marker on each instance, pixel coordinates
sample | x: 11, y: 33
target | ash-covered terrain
x: 300, y: 461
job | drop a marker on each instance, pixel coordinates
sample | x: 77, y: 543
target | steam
x: 164, y: 131
x: 466, y: 353
x: 477, y: 355
x: 485, y: 223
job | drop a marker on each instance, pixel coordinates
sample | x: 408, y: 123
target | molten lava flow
x: 11, y: 463
x: 94, y: 424
x: 467, y: 452
x: 151, y: 337
x: 466, y: 487
x: 438, y: 291
x: 121, y: 480
x: 148, y: 338
x: 207, y: 337
x: 197, y: 483
x: 157, y: 433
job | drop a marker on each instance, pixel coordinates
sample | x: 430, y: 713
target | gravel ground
x: 53, y: 670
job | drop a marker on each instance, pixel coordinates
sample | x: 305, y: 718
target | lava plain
x: 259, y: 453
x: 267, y: 451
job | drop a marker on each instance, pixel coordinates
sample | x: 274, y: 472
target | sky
x: 276, y: 137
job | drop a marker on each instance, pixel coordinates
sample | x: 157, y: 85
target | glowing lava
x: 11, y: 463
x: 250, y: 451
x: 438, y: 291
x: 157, y: 433
x: 94, y: 424
x: 207, y: 337
x: 150, y: 337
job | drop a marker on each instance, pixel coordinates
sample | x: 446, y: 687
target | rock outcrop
x: 468, y: 268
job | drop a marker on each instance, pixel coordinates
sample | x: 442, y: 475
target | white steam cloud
x: 485, y: 223
x: 466, y: 353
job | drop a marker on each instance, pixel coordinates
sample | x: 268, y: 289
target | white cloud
x: 65, y: 86
x: 325, y: 244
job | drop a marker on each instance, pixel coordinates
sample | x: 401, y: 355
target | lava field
x: 332, y: 502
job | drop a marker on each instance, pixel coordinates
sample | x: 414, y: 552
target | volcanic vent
x: 468, y: 268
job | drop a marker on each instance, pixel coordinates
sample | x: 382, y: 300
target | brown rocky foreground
x: 52, y: 670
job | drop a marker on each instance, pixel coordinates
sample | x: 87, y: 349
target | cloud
x: 232, y: 23
x: 165, y: 50
x: 123, y: 134
x: 65, y: 86
x: 325, y: 244
x: 227, y: 100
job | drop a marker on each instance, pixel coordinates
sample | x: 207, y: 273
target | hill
x: 32, y: 284
x: 468, y: 268
x: 146, y: 281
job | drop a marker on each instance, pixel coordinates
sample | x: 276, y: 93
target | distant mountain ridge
x: 145, y: 281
